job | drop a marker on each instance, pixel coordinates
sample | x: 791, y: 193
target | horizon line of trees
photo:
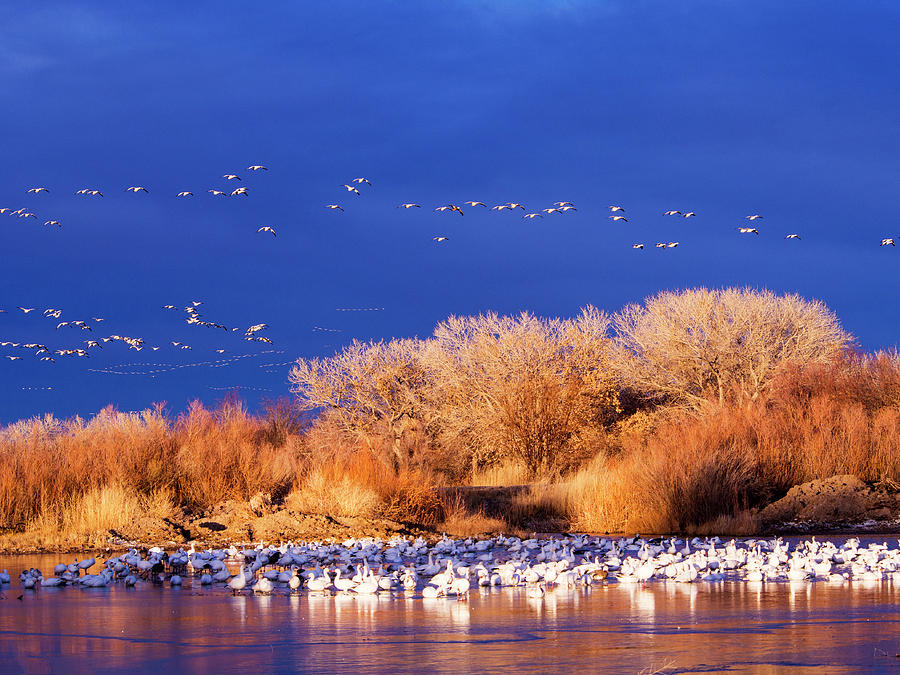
x: 548, y: 392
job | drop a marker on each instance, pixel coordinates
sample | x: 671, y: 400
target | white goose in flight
x: 672, y: 212
x: 257, y: 167
x: 532, y: 216
x: 639, y: 246
x: 440, y: 239
x: 217, y: 193
x: 473, y: 203
x: 266, y: 228
x: 748, y: 230
x: 35, y: 190
x: 136, y: 188
x: 755, y: 216
x: 884, y: 242
x: 409, y: 206
x: 350, y: 188
x: 792, y: 236
x: 185, y: 193
x: 360, y: 181
x: 53, y: 222
x: 619, y: 218
x: 334, y: 206
x: 231, y: 176
x: 616, y: 208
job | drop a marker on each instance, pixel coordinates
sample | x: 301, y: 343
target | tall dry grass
x: 52, y: 469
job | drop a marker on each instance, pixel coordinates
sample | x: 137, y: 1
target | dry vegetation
x: 684, y: 413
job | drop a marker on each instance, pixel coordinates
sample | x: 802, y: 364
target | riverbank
x: 838, y: 505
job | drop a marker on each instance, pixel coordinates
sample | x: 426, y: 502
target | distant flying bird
x: 360, y: 181
x: 14, y: 358
x: 792, y: 236
x: 637, y: 246
x: 169, y: 307
x: 216, y: 192
x: 748, y: 230
x: 257, y: 167
x: 239, y: 191
x: 27, y: 215
x: 532, y: 216
x: 408, y: 206
x: 439, y: 239
x: 619, y: 218
x: 37, y: 189
x: 136, y: 188
x: 222, y: 351
x: 552, y: 210
x: 516, y: 205
x: 450, y: 207
x: 266, y: 228
x: 5, y: 209
x: 616, y: 208
x: 672, y: 244
x: 567, y: 207
x: 82, y: 191
x: 689, y: 214
x: 334, y: 206
x: 500, y: 207
x: 473, y: 203
x: 186, y: 193
x: 27, y: 309
x: 53, y: 222
x: 660, y: 245
x: 231, y: 176
x: 350, y: 188
x: 672, y: 213
x: 753, y: 217
x: 561, y: 204
x: 884, y: 242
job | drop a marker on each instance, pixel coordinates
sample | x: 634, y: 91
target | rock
x: 839, y: 501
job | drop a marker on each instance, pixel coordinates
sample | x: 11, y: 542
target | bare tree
x: 698, y: 344
x: 520, y: 387
x: 366, y: 386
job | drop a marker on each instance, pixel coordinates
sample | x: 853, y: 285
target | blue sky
x: 789, y: 110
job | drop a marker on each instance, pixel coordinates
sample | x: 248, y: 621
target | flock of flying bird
x: 193, y: 318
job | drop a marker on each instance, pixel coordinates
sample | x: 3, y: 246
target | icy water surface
x: 698, y: 627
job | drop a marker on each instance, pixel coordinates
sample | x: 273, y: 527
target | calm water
x: 701, y: 627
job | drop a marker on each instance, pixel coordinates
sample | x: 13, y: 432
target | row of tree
x: 545, y: 392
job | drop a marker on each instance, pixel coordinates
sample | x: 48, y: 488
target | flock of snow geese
x: 192, y: 318
x: 456, y: 567
x: 617, y: 213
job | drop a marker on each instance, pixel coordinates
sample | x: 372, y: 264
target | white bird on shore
x: 238, y: 581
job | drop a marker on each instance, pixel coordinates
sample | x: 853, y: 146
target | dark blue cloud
x: 721, y: 108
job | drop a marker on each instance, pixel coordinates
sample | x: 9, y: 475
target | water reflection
x: 701, y: 626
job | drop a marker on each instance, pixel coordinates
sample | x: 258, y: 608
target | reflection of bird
x: 266, y: 228
x: 748, y: 230
x: 408, y: 206
x: 440, y: 239
x: 619, y: 218
x: 792, y: 236
x: 884, y: 242
x: 334, y: 206
x: 637, y: 246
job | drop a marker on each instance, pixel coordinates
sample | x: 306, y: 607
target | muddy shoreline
x: 840, y: 505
